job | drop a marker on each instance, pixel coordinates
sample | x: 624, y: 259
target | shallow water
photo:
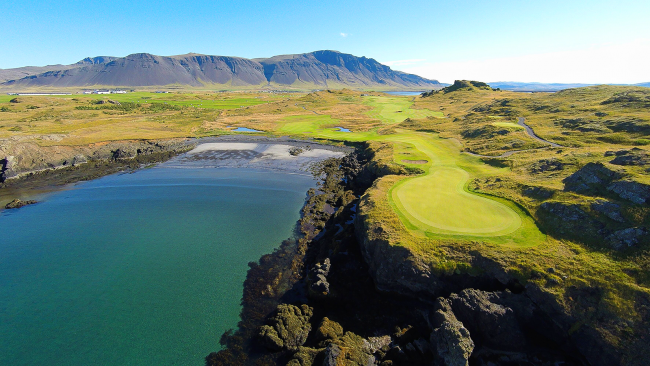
x: 405, y: 93
x: 137, y: 269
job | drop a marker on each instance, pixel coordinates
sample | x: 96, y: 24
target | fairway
x: 437, y: 202
x: 396, y: 110
x: 507, y: 124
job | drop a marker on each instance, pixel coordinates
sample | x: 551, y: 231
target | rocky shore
x: 342, y: 294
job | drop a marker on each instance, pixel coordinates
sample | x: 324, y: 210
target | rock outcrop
x: 591, y: 179
x: 452, y: 340
x: 287, y: 329
x: 632, y: 191
x: 18, y: 204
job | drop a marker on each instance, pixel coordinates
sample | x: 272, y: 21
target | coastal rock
x: 79, y: 159
x: 318, y: 278
x: 626, y: 238
x: 591, y: 179
x: 493, y: 324
x: 329, y: 330
x: 609, y: 209
x: 450, y: 338
x: 7, y: 168
x: 636, y: 192
x: 18, y: 204
x: 332, y: 355
x: 288, y: 328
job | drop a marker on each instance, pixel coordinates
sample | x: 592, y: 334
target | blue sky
x: 549, y: 41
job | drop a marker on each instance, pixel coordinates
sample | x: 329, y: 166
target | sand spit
x: 292, y: 156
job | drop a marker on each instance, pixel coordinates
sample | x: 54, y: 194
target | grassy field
x: 395, y: 110
x: 459, y: 206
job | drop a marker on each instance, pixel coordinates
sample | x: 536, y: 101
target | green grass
x: 507, y: 125
x: 436, y: 204
x: 395, y: 110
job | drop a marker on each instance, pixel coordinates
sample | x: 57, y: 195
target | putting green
x: 437, y: 202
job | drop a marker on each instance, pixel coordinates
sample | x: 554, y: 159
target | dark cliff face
x: 331, y: 68
x: 320, y: 68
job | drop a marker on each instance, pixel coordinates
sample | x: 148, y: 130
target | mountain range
x: 544, y: 87
x: 314, y: 70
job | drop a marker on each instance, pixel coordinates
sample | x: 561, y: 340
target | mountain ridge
x: 314, y: 70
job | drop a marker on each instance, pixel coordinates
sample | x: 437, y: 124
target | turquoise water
x: 137, y: 269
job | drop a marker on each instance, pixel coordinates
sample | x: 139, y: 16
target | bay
x: 138, y: 269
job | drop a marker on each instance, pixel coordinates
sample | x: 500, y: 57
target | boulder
x: 591, y: 179
x: 632, y: 191
x: 450, y: 338
x: 489, y: 322
x: 287, y: 329
x: 319, y: 285
x: 634, y: 156
x: 18, y: 204
x: 332, y: 355
x: 546, y: 165
x: 609, y: 209
x: 7, y: 168
x: 626, y: 238
x: 328, y: 329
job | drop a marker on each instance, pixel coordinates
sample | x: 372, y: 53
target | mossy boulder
x: 329, y: 330
x: 287, y: 329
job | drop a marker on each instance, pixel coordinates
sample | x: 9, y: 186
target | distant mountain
x: 534, y: 87
x: 334, y: 69
x: 544, y: 87
x: 315, y: 70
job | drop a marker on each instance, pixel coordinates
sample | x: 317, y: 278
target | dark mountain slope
x: 143, y: 69
x: 335, y: 69
x: 320, y: 69
x: 21, y: 72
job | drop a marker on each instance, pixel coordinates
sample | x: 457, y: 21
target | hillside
x: 320, y: 69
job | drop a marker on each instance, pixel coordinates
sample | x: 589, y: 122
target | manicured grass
x: 507, y: 125
x: 395, y: 110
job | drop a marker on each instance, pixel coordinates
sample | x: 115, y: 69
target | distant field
x: 395, y: 110
x: 507, y: 124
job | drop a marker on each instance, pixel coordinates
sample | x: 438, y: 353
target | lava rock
x: 546, y: 165
x: 329, y: 329
x: 18, y: 204
x: 591, y: 179
x: 288, y: 328
x: 450, y: 338
x: 634, y: 156
x: 319, y: 286
x: 626, y: 238
x: 636, y: 192
x: 494, y: 324
x: 332, y: 355
x: 609, y: 209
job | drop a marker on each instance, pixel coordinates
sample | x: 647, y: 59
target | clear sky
x: 588, y: 41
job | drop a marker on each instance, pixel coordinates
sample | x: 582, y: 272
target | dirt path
x: 530, y: 133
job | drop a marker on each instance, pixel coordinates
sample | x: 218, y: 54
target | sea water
x: 137, y: 269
